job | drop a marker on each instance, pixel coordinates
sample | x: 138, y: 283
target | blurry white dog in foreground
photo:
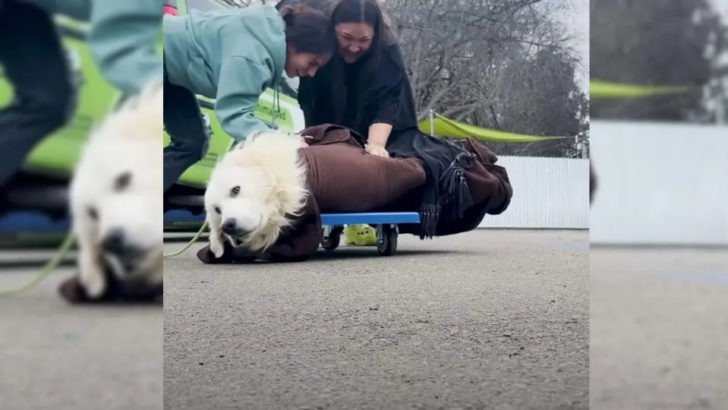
x: 116, y: 198
x: 255, y: 191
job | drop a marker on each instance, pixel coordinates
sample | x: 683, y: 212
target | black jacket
x: 386, y: 97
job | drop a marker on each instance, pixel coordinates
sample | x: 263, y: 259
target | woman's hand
x: 376, y: 149
x: 377, y: 139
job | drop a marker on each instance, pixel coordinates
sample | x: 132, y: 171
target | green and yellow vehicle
x: 40, y: 186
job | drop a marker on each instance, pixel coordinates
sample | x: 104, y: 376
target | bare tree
x: 504, y: 64
x: 659, y: 42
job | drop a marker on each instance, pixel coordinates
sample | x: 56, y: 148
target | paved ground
x: 488, y: 319
x: 57, y: 356
x: 492, y: 319
x: 659, y: 329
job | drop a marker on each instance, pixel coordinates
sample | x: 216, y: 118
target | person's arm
x: 241, y: 83
x: 386, y: 104
x: 386, y: 110
x: 377, y: 139
x: 123, y: 41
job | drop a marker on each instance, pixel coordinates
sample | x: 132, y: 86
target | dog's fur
x: 117, y: 189
x: 259, y: 186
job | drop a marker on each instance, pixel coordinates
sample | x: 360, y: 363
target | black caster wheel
x: 331, y: 237
x: 387, y: 239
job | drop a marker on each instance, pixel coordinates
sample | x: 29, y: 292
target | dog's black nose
x: 114, y: 242
x: 229, y: 226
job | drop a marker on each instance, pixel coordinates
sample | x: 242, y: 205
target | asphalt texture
x: 659, y: 328
x: 54, y: 355
x: 488, y: 319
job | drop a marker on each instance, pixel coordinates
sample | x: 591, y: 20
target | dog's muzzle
x: 233, y: 231
x: 116, y: 245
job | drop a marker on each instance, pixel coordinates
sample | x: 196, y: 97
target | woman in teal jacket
x: 232, y: 55
x: 122, y: 38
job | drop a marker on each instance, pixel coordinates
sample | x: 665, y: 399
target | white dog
x: 255, y: 191
x: 116, y: 198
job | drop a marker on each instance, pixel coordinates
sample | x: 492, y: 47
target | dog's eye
x: 217, y: 209
x: 235, y: 191
x: 122, y: 181
x: 92, y: 213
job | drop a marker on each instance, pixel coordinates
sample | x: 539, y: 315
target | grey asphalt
x: 659, y: 328
x: 487, y: 319
x: 58, y: 356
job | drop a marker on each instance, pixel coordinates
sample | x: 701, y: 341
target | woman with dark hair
x: 364, y: 87
x: 233, y: 55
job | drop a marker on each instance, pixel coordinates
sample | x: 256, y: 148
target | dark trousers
x: 187, y: 130
x: 34, y: 63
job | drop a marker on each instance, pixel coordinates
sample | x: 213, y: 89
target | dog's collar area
x: 125, y: 269
x: 235, y: 242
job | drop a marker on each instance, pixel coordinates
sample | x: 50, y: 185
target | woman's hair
x: 360, y: 11
x: 308, y: 30
x: 363, y: 11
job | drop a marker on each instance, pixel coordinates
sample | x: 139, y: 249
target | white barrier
x: 547, y: 193
x: 660, y: 183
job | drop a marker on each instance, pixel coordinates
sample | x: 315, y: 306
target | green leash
x: 63, y: 251
x: 190, y: 243
x: 195, y: 238
x: 45, y: 270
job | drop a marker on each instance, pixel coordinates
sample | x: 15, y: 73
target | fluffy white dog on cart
x: 255, y: 191
x: 116, y: 200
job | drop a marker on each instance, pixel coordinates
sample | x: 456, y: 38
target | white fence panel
x: 660, y: 183
x: 547, y: 193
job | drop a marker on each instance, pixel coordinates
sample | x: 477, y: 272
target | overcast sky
x: 576, y: 20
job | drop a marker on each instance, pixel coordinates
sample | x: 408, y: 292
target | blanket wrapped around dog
x: 342, y: 177
x: 73, y: 291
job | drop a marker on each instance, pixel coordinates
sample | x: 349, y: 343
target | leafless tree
x: 675, y: 42
x: 503, y: 64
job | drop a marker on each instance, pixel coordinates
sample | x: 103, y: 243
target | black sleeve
x: 389, y: 89
x: 305, y: 100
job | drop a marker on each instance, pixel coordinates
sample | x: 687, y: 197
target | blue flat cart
x: 333, y: 225
x: 386, y: 224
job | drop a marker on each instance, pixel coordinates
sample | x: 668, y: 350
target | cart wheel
x: 386, y: 239
x: 330, y: 237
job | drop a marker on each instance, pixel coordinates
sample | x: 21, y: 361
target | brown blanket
x: 343, y: 178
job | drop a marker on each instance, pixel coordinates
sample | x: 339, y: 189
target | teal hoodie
x: 230, y: 55
x: 122, y: 39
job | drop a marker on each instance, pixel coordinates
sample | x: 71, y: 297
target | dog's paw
x: 94, y: 285
x: 217, y: 248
